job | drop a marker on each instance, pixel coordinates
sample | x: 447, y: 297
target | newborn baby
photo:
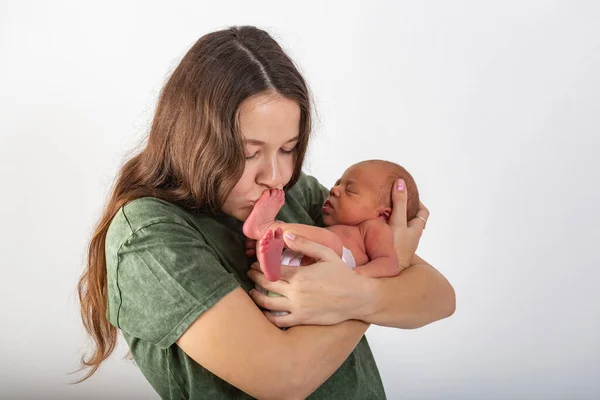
x: 355, y: 214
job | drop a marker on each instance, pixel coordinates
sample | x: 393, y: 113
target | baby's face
x: 355, y: 196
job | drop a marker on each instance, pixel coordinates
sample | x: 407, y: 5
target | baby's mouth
x: 327, y: 205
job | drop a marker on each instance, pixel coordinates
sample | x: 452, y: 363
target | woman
x: 167, y: 264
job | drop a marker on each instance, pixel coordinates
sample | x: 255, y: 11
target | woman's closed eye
x: 250, y: 156
x: 289, y: 151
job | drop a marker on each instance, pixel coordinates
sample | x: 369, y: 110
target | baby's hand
x: 250, y: 248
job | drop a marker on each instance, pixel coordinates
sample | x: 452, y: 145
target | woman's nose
x: 270, y: 175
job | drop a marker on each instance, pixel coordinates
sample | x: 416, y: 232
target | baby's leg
x: 263, y: 214
x: 269, y: 248
x: 268, y: 253
x: 323, y: 236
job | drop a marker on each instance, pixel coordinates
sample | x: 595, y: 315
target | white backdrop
x: 493, y: 106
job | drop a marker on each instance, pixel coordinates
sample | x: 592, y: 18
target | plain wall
x: 492, y: 106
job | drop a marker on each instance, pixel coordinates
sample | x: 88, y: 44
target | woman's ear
x: 384, y: 214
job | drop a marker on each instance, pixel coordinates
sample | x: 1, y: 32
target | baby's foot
x: 269, y: 254
x: 264, y: 212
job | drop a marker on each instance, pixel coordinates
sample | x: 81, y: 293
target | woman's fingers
x: 261, y: 280
x: 250, y: 247
x: 421, y: 218
x: 309, y: 248
x: 286, y: 274
x: 250, y: 244
x: 255, y: 266
x: 399, y: 197
x: 282, y: 321
x: 424, y: 210
x: 277, y: 304
x: 270, y: 302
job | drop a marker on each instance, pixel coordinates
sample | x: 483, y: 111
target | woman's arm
x: 418, y: 296
x: 236, y: 342
x: 328, y: 292
x: 171, y: 280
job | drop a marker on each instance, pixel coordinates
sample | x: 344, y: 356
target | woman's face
x: 270, y: 125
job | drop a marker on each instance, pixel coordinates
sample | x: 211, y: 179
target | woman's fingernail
x: 290, y: 235
x: 400, y: 185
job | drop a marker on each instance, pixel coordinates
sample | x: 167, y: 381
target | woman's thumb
x: 309, y: 248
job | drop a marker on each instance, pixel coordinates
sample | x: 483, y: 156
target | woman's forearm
x: 262, y: 360
x: 418, y: 296
x: 318, y: 351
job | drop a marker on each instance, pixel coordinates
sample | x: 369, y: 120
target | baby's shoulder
x: 374, y: 226
x: 344, y: 231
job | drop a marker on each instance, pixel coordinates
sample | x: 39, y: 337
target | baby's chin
x: 328, y: 220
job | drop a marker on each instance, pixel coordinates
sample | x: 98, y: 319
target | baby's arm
x: 379, y: 245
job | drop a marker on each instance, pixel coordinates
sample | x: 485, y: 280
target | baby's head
x: 365, y: 191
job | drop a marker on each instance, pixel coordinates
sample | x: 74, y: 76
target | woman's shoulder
x: 306, y: 197
x: 151, y: 210
x: 307, y: 187
x: 142, y: 213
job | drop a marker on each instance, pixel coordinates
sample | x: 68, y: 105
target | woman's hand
x: 250, y: 248
x: 406, y: 234
x: 324, y: 293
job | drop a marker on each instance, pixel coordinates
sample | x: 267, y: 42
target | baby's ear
x: 384, y: 214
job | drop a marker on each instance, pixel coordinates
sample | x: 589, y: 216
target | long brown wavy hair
x: 194, y: 153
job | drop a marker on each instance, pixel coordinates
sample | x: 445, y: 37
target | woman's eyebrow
x: 260, y: 142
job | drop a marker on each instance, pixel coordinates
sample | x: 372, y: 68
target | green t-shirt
x: 167, y: 265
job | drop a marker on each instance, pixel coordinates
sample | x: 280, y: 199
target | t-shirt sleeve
x: 166, y: 276
x: 313, y: 195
